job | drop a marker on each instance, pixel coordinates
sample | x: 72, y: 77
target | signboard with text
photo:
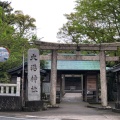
x: 33, y: 75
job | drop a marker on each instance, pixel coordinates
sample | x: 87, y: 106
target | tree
x: 24, y: 25
x: 6, y: 6
x: 16, y: 41
x: 93, y: 21
x: 16, y: 31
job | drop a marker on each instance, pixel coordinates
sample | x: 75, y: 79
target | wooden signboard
x: 91, y: 83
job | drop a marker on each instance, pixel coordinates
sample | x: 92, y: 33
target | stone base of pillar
x: 117, y: 105
x: 31, y: 106
x: 117, y: 108
x: 53, y: 106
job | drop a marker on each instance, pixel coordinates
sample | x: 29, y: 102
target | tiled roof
x: 75, y: 65
x: 20, y: 68
x: 115, y: 68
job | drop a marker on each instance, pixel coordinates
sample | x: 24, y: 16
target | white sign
x: 33, y: 75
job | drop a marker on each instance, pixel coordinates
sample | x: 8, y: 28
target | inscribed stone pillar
x: 53, y: 77
x: 103, y: 80
x: 34, y: 91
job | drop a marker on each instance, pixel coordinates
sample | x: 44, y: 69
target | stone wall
x: 10, y: 103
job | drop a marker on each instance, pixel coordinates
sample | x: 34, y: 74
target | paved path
x: 71, y: 108
x: 72, y: 97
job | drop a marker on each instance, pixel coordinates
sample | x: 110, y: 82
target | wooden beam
x: 60, y: 46
x: 114, y: 44
x: 78, y: 57
x: 95, y: 48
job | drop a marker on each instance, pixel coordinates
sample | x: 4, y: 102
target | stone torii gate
x: 88, y: 47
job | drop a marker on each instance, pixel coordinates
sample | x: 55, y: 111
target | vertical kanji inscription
x: 33, y: 75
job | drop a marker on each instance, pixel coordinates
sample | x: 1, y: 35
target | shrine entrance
x: 101, y: 57
x: 73, y: 83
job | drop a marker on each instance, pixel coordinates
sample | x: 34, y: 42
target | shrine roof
x: 19, y: 69
x: 115, y: 68
x: 74, y: 65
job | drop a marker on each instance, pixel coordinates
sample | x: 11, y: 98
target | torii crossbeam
x: 87, y: 47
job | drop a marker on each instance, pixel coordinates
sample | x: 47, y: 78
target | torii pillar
x: 92, y: 47
x: 103, y: 81
x: 53, y: 78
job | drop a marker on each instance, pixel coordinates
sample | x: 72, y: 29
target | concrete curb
x: 116, y: 110
x: 53, y: 106
x: 100, y: 107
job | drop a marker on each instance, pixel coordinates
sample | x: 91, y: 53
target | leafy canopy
x: 94, y: 21
x: 16, y: 31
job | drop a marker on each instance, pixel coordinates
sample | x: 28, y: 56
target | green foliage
x: 4, y: 79
x: 24, y: 25
x: 95, y: 21
x: 6, y: 6
x: 16, y: 31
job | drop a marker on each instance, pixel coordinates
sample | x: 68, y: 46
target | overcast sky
x: 48, y: 14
